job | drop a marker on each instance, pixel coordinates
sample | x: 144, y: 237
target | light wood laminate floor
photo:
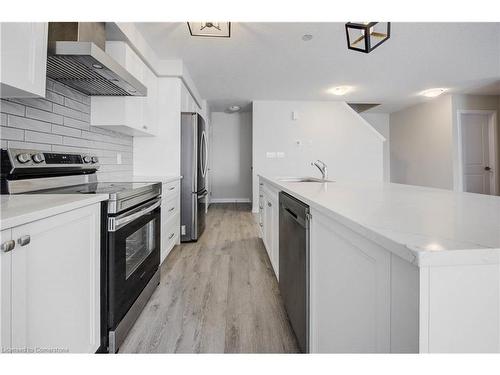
x: 216, y: 295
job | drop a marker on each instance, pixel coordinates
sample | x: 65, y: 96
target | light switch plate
x: 118, y: 158
x: 270, y: 155
x: 280, y: 155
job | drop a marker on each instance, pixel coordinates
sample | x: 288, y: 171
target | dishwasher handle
x: 300, y: 220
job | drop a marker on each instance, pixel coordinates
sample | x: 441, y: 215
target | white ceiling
x: 269, y: 61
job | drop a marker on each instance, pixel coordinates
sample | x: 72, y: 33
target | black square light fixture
x: 366, y: 36
x: 210, y: 29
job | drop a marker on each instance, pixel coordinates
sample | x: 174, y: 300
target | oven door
x: 134, y: 256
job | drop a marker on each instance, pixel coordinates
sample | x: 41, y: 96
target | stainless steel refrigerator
x: 194, y: 166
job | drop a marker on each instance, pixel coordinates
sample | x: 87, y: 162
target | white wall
x: 380, y: 121
x: 160, y: 155
x: 421, y: 144
x: 424, y: 141
x: 330, y: 131
x: 231, y: 154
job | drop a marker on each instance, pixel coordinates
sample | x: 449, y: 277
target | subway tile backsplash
x: 61, y: 122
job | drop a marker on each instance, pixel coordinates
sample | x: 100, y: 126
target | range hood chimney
x: 77, y: 59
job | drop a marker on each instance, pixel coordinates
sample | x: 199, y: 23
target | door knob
x: 487, y: 168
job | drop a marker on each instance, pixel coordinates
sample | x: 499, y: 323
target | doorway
x: 477, y: 133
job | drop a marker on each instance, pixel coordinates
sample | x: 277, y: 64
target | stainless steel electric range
x: 130, y: 228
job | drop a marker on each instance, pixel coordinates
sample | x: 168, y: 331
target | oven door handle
x: 115, y: 223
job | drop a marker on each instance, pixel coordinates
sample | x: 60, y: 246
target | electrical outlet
x: 118, y: 158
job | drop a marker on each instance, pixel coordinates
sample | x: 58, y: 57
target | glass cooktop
x: 97, y: 188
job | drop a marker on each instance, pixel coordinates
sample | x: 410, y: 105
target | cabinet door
x: 275, y: 253
x: 55, y: 283
x: 132, y: 115
x: 5, y: 293
x: 151, y: 101
x: 268, y: 233
x: 24, y: 59
x: 349, y: 290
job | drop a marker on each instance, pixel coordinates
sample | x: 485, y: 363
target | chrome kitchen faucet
x: 322, y: 168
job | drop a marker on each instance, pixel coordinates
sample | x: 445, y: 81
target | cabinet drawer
x: 169, y: 208
x: 170, y: 189
x: 171, y: 229
x: 169, y: 235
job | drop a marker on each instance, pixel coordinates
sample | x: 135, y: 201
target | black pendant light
x: 366, y: 36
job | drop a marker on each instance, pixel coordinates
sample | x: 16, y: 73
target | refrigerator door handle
x: 194, y: 169
x: 204, y: 146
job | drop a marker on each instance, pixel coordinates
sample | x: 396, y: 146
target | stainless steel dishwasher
x: 294, y: 220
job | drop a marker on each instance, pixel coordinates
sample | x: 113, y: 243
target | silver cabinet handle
x: 170, y: 210
x: 24, y: 240
x: 171, y: 188
x: 261, y: 207
x: 8, y: 246
x: 269, y: 204
x: 172, y: 235
x: 261, y: 224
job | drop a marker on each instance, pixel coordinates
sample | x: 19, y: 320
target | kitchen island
x: 398, y: 268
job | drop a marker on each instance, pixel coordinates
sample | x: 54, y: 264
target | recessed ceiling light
x: 340, y: 90
x: 233, y: 108
x: 432, y: 93
x: 97, y: 66
x: 307, y: 37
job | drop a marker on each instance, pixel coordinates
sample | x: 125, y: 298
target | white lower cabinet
x: 269, y: 223
x: 54, y: 284
x: 349, y: 291
x: 170, y: 218
x: 5, y: 290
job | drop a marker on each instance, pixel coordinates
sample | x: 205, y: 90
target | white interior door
x: 477, y: 155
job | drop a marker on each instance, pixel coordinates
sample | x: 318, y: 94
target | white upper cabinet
x: 188, y: 104
x: 23, y: 59
x: 132, y: 115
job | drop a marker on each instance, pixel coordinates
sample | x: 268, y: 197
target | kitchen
x: 148, y: 208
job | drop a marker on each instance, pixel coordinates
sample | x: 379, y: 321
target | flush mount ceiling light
x: 210, y: 29
x: 340, y: 90
x: 432, y: 93
x: 307, y: 37
x: 233, y: 108
x: 366, y: 36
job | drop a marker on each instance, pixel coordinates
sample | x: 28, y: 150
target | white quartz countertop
x: 162, y: 179
x: 424, y: 225
x: 24, y: 208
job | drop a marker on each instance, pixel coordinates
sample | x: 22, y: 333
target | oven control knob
x: 38, y: 158
x: 23, y: 158
x: 87, y: 159
x: 94, y: 159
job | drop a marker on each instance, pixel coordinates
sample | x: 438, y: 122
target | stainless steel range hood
x: 77, y: 59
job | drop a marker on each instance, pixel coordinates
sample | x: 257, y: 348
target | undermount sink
x: 303, y: 179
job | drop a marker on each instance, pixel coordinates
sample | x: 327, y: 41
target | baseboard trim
x: 230, y: 200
